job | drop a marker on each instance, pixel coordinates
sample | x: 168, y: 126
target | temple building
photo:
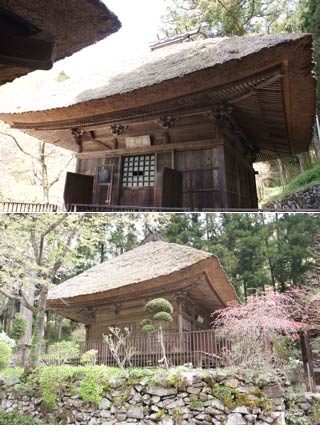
x: 181, y: 127
x: 115, y: 292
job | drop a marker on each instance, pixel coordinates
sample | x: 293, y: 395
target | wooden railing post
x: 307, y: 360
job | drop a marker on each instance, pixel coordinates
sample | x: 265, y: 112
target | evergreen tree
x: 309, y: 21
x: 228, y: 17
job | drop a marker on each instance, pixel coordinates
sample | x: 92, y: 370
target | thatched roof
x: 141, y: 268
x: 179, y: 73
x: 71, y: 25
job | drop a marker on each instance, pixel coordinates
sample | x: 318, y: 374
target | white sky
x: 141, y: 21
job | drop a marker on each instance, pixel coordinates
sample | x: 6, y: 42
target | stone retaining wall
x: 308, y: 198
x: 193, y: 397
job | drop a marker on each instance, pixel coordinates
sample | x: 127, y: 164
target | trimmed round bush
x: 148, y: 328
x: 162, y: 316
x: 158, y: 305
x: 5, y: 355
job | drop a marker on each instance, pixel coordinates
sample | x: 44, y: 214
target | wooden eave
x: 35, y: 34
x: 286, y: 81
x: 217, y: 290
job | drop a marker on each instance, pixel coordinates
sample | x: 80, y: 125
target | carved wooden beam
x: 118, y: 130
x: 78, y: 137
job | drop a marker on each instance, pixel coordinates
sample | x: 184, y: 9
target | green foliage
x: 5, y: 355
x: 52, y: 380
x: 15, y: 418
x: 146, y: 321
x: 19, y: 327
x: 89, y: 357
x: 148, y: 328
x: 224, y: 394
x: 62, y: 352
x: 295, y: 416
x: 163, y: 316
x: 94, y: 383
x: 228, y: 17
x: 79, y: 335
x: 158, y: 305
x: 196, y: 404
x: 305, y: 179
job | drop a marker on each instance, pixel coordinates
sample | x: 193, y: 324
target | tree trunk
x: 47, y: 333
x: 163, y: 349
x: 317, y: 136
x: 60, y: 328
x: 281, y: 172
x: 39, y: 328
x: 245, y: 290
x: 9, y: 316
x: 44, y: 171
x: 29, y: 289
x: 301, y: 162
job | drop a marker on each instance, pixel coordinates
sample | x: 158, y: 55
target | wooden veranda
x: 201, y: 349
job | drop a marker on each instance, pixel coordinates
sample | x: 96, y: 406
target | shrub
x: 5, y: 355
x: 158, y: 305
x: 15, y: 418
x: 93, y: 385
x: 5, y: 338
x: 89, y: 357
x: 62, y: 352
x: 52, y: 379
x: 19, y: 327
x: 305, y: 179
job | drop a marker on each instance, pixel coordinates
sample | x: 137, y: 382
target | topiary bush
x: 158, y: 305
x: 5, y: 355
x: 161, y: 311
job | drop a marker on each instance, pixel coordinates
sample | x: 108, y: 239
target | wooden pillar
x: 307, y: 361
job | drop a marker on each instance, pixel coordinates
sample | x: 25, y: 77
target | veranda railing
x: 198, y: 348
x: 27, y: 207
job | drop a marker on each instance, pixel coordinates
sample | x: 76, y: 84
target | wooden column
x: 307, y: 361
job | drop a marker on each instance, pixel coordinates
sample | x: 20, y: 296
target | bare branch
x: 22, y: 300
x: 50, y: 229
x: 17, y: 144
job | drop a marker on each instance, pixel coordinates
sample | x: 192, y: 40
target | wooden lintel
x: 200, y: 144
x: 26, y: 52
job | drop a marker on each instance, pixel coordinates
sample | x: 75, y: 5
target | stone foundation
x: 308, y: 198
x: 193, y: 397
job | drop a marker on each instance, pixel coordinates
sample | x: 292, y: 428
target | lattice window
x: 138, y: 171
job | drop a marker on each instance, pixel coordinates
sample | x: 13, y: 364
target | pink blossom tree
x: 283, y: 313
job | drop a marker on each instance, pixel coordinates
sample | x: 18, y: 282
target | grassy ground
x: 303, y: 180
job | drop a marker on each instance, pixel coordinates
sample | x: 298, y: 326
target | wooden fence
x: 119, y: 208
x: 21, y: 207
x: 199, y: 348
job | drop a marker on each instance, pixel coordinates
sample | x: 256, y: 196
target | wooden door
x: 171, y: 196
x: 78, y: 189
